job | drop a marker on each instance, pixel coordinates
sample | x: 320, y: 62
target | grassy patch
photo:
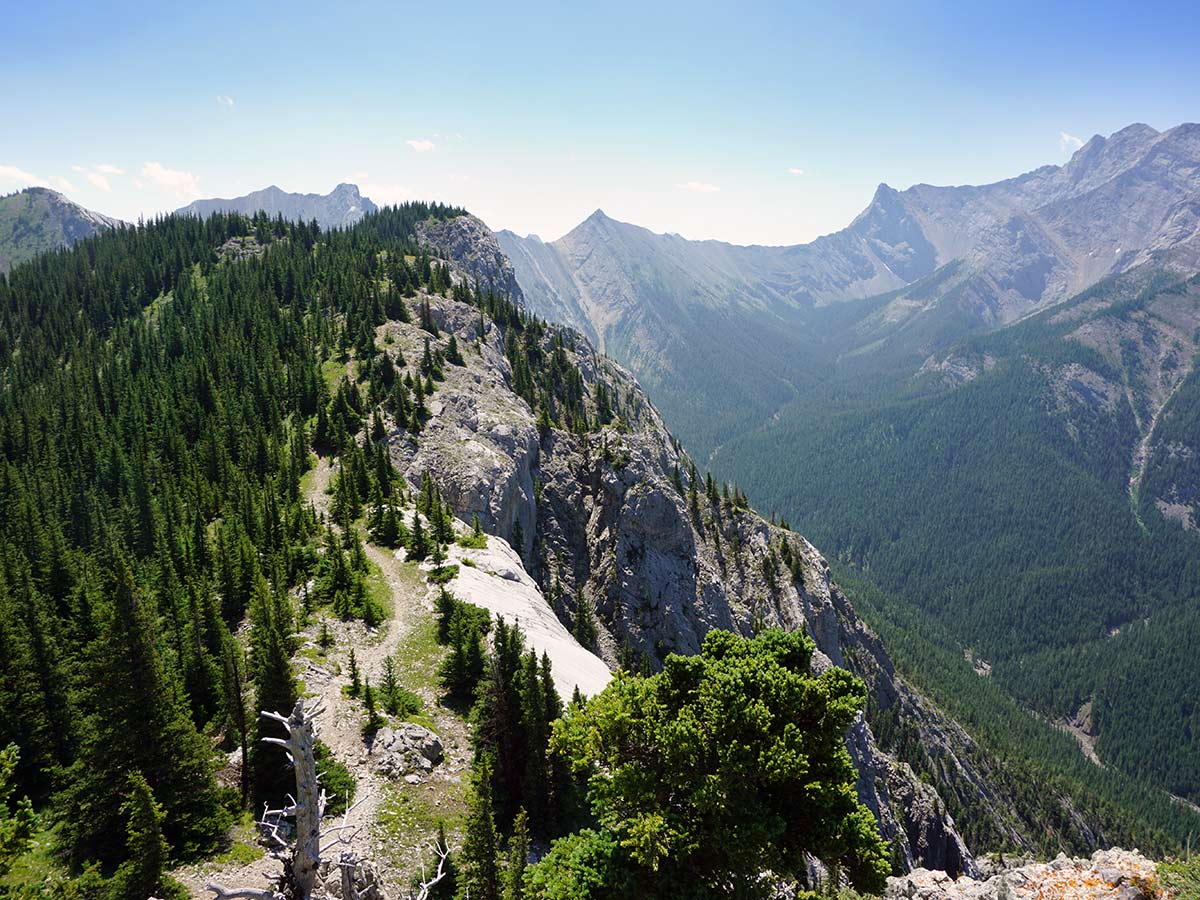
x: 443, y: 574
x: 1181, y: 878
x: 36, y: 865
x: 308, y: 480
x: 379, y: 590
x: 410, y: 814
x: 316, y: 654
x: 243, y: 847
x: 333, y: 371
x: 419, y: 656
x: 472, y: 541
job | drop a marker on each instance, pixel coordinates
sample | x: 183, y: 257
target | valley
x: 930, y: 453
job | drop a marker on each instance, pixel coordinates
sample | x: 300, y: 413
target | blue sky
x: 753, y: 123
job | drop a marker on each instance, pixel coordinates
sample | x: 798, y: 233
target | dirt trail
x: 340, y: 726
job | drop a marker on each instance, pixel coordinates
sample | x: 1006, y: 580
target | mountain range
x: 984, y: 400
x: 980, y: 402
x: 340, y: 208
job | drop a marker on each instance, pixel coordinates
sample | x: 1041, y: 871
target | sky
x: 751, y: 123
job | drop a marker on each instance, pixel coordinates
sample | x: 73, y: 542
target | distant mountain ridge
x: 340, y: 208
x: 913, y: 273
x: 38, y: 219
x: 983, y: 399
x: 1018, y: 245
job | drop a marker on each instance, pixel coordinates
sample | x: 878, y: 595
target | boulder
x: 406, y: 749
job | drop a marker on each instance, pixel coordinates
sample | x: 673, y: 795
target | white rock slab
x: 499, y: 583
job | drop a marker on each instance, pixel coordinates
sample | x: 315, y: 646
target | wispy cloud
x: 1068, y: 142
x: 183, y: 185
x: 225, y: 100
x: 98, y: 176
x: 698, y: 187
x: 794, y: 171
x: 12, y: 177
x: 420, y: 145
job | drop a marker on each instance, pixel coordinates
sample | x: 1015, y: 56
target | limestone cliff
x: 605, y: 519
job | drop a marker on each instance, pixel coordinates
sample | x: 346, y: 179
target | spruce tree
x: 374, y: 721
x: 584, y: 629
x: 135, y: 722
x: 355, y: 687
x: 141, y: 875
x: 517, y: 858
x: 17, y: 819
x: 481, y: 847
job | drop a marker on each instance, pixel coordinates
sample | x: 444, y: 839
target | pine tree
x: 518, y: 538
x: 480, y: 873
x: 374, y: 720
x: 584, y: 630
x: 136, y: 722
x: 535, y: 732
x: 517, y: 858
x: 355, y: 678
x: 418, y: 543
x: 275, y: 687
x: 141, y: 874
x: 17, y: 820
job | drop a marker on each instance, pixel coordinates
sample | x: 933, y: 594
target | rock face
x: 1108, y: 875
x: 340, y: 208
x: 407, y: 748
x: 38, y: 219
x: 494, y: 577
x: 474, y: 250
x: 603, y: 521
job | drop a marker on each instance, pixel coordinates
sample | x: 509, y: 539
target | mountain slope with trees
x: 163, y: 390
x: 1004, y: 441
x: 37, y: 219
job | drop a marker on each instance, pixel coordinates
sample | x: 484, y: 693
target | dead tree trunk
x: 308, y: 805
x: 302, y: 861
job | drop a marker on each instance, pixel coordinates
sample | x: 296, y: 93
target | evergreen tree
x: 584, y: 629
x: 135, y: 722
x: 141, y: 875
x: 374, y: 721
x: 480, y: 878
x: 517, y: 858
x: 16, y: 820
x: 355, y: 687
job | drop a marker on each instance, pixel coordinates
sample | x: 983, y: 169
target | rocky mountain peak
x: 340, y: 208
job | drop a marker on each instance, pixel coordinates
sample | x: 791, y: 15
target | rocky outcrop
x: 494, y: 578
x: 1107, y: 875
x: 474, y: 251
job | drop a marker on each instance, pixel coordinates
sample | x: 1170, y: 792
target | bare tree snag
x: 442, y: 852
x: 302, y: 861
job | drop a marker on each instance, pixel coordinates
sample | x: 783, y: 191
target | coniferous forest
x: 162, y: 393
